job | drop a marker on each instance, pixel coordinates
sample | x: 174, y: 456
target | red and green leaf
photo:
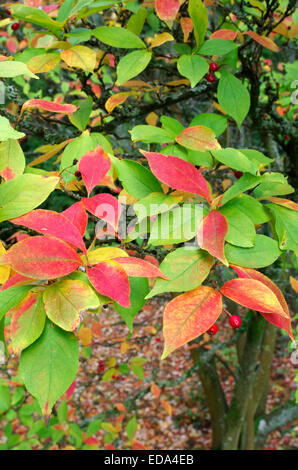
x: 167, y: 9
x: 77, y: 215
x: 198, y: 138
x: 49, y: 106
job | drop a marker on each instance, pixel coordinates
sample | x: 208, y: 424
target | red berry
x: 213, y: 330
x: 238, y: 174
x: 15, y: 26
x: 287, y: 137
x: 213, y: 67
x: 210, y: 77
x: 157, y: 340
x: 78, y: 174
x: 122, y: 378
x: 235, y: 321
x: 7, y: 11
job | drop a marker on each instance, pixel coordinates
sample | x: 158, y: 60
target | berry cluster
x: 210, y: 77
x: 234, y: 320
x: 101, y: 367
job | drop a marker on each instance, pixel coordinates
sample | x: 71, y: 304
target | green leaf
x: 273, y: 188
x: 118, y: 37
x: 250, y: 207
x: 4, y: 398
x: 241, y: 229
x: 176, y: 226
x: 139, y: 288
x: 80, y: 118
x: 199, y: 15
x: 38, y: 17
x: 28, y: 319
x: 132, y: 64
x: 11, y: 297
x: 7, y: 131
x: 64, y: 10
x: 196, y: 157
x: 215, y: 122
x: 136, y: 179
x: 286, y: 226
x: 151, y: 135
x: 136, y: 22
x: 236, y: 160
x: 262, y: 254
x: 131, y: 428
x: 256, y: 157
x: 192, y: 67
x: 171, y: 125
x: 12, y: 160
x: 233, y: 97
x: 62, y: 411
x: 14, y: 69
x: 186, y: 268
x: 154, y: 203
x: 217, y: 46
x: 244, y: 183
x: 93, y: 427
x: 49, y: 366
x: 23, y: 193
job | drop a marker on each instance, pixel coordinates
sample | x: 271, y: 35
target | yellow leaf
x: 43, y: 63
x: 112, y: 362
x: 81, y: 57
x: 116, y: 100
x: 104, y: 254
x: 85, y: 335
x: 4, y: 270
x: 161, y: 39
x: 151, y: 119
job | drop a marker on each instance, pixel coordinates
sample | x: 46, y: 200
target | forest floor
x: 169, y: 407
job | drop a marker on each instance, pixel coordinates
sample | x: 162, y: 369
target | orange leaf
x: 155, y: 390
x: 167, y: 9
x: 198, y: 138
x: 211, y: 235
x: 187, y: 27
x: 263, y: 40
x: 294, y: 283
x: 116, y: 100
x: 254, y: 294
x: 282, y: 202
x: 190, y: 315
x: 49, y: 106
x: 167, y: 406
x: 224, y: 34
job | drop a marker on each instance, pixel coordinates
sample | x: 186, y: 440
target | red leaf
x: 16, y: 280
x: 252, y: 293
x: 280, y: 322
x: 178, y: 173
x: 110, y: 279
x: 49, y: 106
x: 224, y: 34
x: 190, y: 315
x: 167, y: 9
x: 51, y: 223
x: 211, y: 235
x: 93, y: 166
x: 42, y: 258
x: 139, y: 268
x: 104, y: 206
x: 76, y: 214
